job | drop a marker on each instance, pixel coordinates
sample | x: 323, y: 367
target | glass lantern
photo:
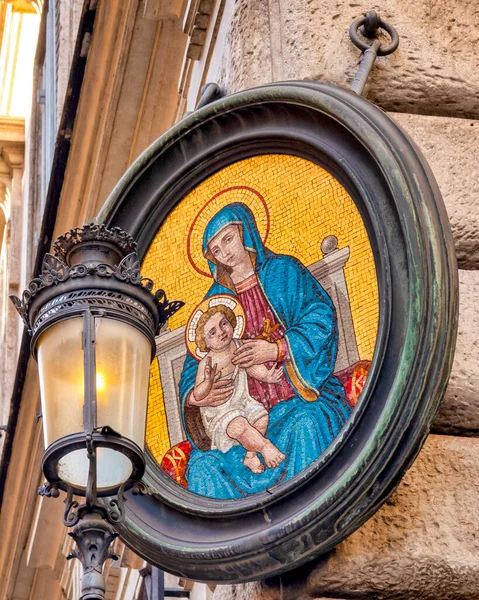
x: 93, y: 320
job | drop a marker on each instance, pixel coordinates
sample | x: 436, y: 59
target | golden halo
x: 203, y: 306
x: 238, y: 193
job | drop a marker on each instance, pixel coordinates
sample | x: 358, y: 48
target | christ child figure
x: 240, y: 419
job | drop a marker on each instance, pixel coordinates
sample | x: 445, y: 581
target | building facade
x: 107, y: 78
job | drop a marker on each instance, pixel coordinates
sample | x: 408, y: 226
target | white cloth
x: 217, y: 418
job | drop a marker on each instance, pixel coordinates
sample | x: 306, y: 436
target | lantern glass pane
x: 122, y: 362
x: 123, y: 356
x: 113, y: 468
x: 60, y: 366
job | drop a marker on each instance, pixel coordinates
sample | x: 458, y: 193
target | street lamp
x: 93, y: 321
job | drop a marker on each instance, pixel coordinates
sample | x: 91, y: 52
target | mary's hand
x: 255, y: 352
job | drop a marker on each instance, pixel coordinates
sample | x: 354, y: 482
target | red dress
x: 261, y: 323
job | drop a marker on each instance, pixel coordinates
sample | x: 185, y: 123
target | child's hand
x: 275, y: 374
x: 204, y: 388
x: 210, y: 372
x: 211, y: 391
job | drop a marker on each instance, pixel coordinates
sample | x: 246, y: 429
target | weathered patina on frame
x: 268, y: 533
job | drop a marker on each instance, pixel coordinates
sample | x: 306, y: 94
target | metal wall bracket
x: 369, y: 26
x: 209, y: 93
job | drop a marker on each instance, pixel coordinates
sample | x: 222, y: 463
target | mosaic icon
x: 259, y: 372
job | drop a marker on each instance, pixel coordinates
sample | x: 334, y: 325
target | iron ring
x: 363, y: 46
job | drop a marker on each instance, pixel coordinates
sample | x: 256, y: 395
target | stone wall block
x: 246, y: 60
x: 246, y: 591
x: 280, y: 588
x: 423, y: 542
x: 451, y: 147
x: 459, y: 410
x: 434, y: 71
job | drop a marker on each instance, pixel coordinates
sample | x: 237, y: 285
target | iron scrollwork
x: 112, y: 509
x: 71, y: 515
x: 93, y: 232
x: 167, y: 309
x: 93, y: 537
x: 49, y: 490
x: 56, y: 270
x: 115, y: 507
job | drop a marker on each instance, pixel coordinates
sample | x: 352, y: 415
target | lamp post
x: 93, y: 321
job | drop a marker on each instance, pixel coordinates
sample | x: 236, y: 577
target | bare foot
x: 272, y: 456
x: 252, y: 461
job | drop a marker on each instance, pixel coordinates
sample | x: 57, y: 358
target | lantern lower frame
x: 77, y: 441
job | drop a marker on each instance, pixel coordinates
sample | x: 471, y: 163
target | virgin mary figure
x: 289, y: 320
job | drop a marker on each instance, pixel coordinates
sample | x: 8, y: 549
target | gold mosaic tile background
x: 157, y: 438
x: 305, y: 205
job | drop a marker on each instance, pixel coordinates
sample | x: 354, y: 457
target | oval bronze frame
x: 243, y: 540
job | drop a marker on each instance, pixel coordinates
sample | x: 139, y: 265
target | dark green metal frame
x: 395, y: 192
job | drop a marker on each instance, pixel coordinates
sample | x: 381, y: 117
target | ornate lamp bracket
x: 93, y: 530
x: 93, y: 537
